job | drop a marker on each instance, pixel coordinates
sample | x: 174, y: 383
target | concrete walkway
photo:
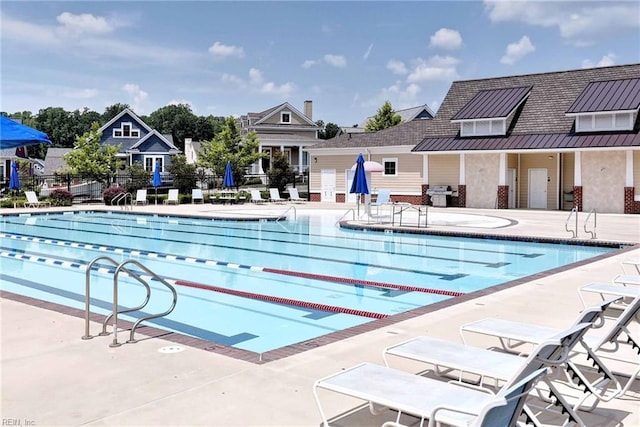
x: 50, y: 376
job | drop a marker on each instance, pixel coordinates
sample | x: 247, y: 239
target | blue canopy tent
x: 359, y: 184
x: 14, y: 181
x: 157, y: 180
x: 228, y: 176
x: 14, y: 134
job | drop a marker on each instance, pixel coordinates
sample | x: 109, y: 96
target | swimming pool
x: 259, y: 285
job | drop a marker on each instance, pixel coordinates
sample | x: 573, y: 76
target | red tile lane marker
x: 362, y: 282
x: 280, y: 300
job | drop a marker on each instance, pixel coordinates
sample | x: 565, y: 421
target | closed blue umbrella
x: 14, y: 180
x: 359, y: 184
x: 228, y: 177
x: 157, y: 181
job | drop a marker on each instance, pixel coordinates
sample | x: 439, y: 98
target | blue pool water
x: 45, y: 257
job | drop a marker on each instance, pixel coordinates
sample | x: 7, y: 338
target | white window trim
x: 499, y: 128
x: 580, y: 121
x: 389, y: 160
x: 153, y: 162
x: 132, y: 131
x: 282, y: 114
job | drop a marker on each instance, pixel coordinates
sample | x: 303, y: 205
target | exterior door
x: 328, y: 185
x: 538, y: 188
x: 351, y: 197
x: 511, y: 180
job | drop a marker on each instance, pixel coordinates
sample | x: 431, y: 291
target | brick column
x: 577, y: 197
x: 629, y: 203
x: 503, y: 196
x: 424, y: 198
x: 462, y: 196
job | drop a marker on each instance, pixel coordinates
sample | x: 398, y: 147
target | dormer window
x: 487, y: 112
x: 285, y: 117
x: 126, y: 130
x: 607, y: 106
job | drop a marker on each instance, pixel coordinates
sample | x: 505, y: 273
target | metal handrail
x: 574, y: 234
x: 122, y: 197
x: 353, y: 216
x: 284, y: 215
x: 595, y: 220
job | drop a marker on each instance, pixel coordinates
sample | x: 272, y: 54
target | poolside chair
x: 596, y: 348
x: 449, y: 403
x: 173, y: 197
x: 196, y: 196
x: 274, y: 196
x: 33, y: 202
x: 383, y: 199
x: 256, y: 197
x: 141, y: 197
x: 294, y: 196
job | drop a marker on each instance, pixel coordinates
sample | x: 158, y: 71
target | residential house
x: 138, y: 142
x: 553, y: 140
x: 284, y: 129
x: 421, y: 112
x: 54, y: 161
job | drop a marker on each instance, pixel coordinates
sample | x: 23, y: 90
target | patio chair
x: 450, y: 403
x: 33, y: 202
x: 256, y: 197
x: 173, y: 198
x: 383, y: 199
x: 274, y: 196
x: 141, y: 197
x: 513, y: 335
x: 294, y: 196
x: 196, y: 196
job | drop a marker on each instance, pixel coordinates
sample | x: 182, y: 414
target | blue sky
x: 231, y: 58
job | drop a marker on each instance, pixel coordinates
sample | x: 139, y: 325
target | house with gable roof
x: 421, y: 112
x: 284, y: 129
x: 553, y: 141
x: 138, y: 141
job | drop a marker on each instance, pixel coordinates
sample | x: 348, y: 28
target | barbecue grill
x: 440, y: 195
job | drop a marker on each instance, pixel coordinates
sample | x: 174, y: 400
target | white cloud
x: 222, y: 51
x: 255, y: 76
x: 82, y: 93
x: 138, y: 96
x: 256, y: 83
x: 579, y: 23
x: 397, y: 67
x: 368, y: 52
x: 518, y: 50
x: 400, y: 95
x: 85, y: 23
x: 283, y: 90
x: 338, y: 61
x: 309, y: 63
x: 446, y: 38
x: 606, y: 61
x: 439, y: 68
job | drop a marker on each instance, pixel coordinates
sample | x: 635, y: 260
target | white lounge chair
x: 256, y: 197
x: 196, y: 196
x: 33, y: 202
x: 141, y: 197
x: 274, y: 196
x: 294, y: 196
x: 173, y: 197
x: 383, y: 199
x: 438, y: 401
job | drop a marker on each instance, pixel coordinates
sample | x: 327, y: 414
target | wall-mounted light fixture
x: 315, y: 160
x: 550, y: 157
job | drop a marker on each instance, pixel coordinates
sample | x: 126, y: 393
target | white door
x: 328, y: 185
x: 511, y: 179
x: 351, y: 197
x: 538, y: 188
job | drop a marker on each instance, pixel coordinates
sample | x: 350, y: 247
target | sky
x: 235, y: 57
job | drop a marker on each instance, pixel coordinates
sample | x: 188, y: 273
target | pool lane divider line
x: 185, y: 283
x: 313, y: 276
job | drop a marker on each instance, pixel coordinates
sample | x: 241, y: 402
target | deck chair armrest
x: 432, y: 418
x: 471, y: 386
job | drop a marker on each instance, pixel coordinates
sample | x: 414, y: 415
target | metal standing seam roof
x: 611, y: 95
x: 492, y: 103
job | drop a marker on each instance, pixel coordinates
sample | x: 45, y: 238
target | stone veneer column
x: 424, y: 199
x: 629, y: 202
x: 503, y: 196
x: 577, y: 197
x: 462, y: 196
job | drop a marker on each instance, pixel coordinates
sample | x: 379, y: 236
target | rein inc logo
x: 18, y: 422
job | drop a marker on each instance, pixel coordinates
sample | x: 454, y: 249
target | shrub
x: 111, y: 192
x: 61, y: 197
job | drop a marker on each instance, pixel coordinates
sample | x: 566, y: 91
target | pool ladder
x: 122, y: 267
x: 574, y: 233
x: 122, y: 197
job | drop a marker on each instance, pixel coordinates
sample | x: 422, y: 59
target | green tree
x: 384, y: 118
x: 327, y: 131
x: 140, y: 177
x: 92, y: 159
x: 280, y: 173
x: 113, y: 110
x: 229, y: 145
x: 184, y: 174
x: 177, y: 120
x: 58, y: 125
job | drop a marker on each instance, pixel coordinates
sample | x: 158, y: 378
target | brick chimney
x: 308, y: 109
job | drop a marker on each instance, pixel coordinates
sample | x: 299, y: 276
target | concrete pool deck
x: 50, y: 376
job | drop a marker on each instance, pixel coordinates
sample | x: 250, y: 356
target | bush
x: 61, y: 197
x: 111, y: 192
